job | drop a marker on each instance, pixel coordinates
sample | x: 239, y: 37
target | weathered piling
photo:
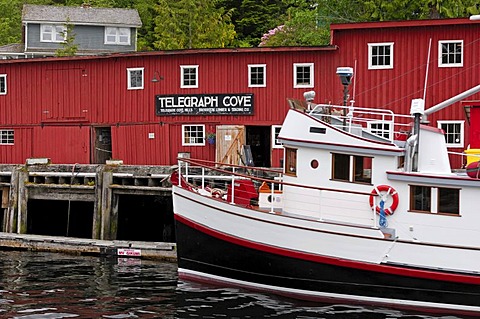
x: 101, y: 185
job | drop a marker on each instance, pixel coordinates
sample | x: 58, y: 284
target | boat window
x: 448, y: 201
x: 341, y: 167
x: 362, y: 169
x: 291, y: 161
x: 420, y: 198
x: 319, y: 130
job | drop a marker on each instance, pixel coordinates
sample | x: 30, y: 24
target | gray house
x: 95, y: 30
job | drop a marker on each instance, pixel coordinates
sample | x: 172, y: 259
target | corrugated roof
x: 81, y: 15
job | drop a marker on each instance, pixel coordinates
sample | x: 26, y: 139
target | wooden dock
x: 93, y: 247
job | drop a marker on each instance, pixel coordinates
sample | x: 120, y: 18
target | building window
x: 7, y: 137
x: 380, y: 55
x: 119, y: 36
x: 257, y: 75
x: 189, y: 78
x: 135, y: 78
x: 352, y: 168
x: 275, y: 131
x: 303, y: 75
x: 53, y: 33
x: 450, y: 53
x: 382, y: 129
x: 3, y: 84
x: 448, y: 200
x: 453, y: 132
x: 291, y: 161
x: 193, y: 135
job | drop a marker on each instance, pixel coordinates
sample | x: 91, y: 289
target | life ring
x: 377, y: 191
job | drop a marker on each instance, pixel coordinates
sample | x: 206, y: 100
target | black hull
x: 201, y: 252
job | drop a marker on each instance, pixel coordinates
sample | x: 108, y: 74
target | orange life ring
x: 389, y: 191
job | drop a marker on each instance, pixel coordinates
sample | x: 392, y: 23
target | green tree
x: 68, y: 48
x: 186, y: 24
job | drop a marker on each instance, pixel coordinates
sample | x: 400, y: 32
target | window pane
x: 420, y: 198
x: 341, y: 167
x: 193, y: 135
x: 6, y: 137
x: 136, y: 78
x: 3, y: 84
x: 189, y: 76
x: 303, y: 75
x: 363, y: 169
x: 291, y: 161
x: 448, y: 201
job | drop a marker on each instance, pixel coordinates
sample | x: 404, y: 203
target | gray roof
x: 81, y: 15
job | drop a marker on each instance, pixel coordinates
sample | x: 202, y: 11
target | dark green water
x: 53, y: 286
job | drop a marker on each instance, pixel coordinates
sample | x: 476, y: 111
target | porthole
x: 314, y: 164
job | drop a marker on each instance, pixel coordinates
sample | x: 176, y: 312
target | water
x: 53, y: 286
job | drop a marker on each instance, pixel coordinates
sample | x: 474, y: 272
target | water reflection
x: 55, y: 286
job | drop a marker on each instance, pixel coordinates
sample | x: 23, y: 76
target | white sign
x: 129, y: 252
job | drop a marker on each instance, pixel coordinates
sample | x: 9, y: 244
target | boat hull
x: 208, y: 256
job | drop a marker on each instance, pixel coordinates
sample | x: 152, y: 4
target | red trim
x: 393, y: 270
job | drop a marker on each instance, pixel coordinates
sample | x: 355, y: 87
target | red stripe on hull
x: 381, y: 268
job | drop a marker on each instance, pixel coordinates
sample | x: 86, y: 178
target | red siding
x: 62, y: 99
x: 69, y: 144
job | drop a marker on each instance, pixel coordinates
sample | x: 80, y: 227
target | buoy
x: 473, y: 169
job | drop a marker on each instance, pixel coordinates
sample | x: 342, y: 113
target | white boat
x: 366, y: 210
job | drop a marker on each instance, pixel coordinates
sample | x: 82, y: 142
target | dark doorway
x: 145, y: 218
x: 103, y: 145
x: 258, y: 137
x: 60, y: 218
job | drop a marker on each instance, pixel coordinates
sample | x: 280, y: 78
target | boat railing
x: 380, y: 122
x: 212, y: 179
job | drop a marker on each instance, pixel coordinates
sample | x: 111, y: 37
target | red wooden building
x: 146, y: 108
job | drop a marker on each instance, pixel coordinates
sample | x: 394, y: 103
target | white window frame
x: 264, y: 68
x: 118, y: 36
x: 129, y: 78
x: 386, y: 130
x: 295, y: 83
x: 7, y: 137
x: 461, y: 141
x: 370, y: 56
x: 440, y: 54
x: 56, y: 33
x: 275, y: 132
x: 3, y: 78
x: 183, y: 68
x: 198, y: 140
